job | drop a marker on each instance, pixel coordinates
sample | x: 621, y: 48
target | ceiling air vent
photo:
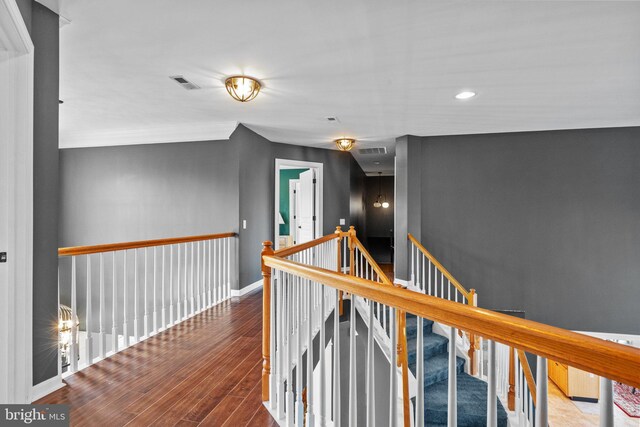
x: 377, y: 150
x: 184, y: 82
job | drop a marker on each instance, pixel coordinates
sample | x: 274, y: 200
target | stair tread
x: 472, y: 403
x: 433, y: 344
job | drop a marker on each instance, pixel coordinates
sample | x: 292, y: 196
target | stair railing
x: 292, y: 285
x: 123, y: 293
x: 430, y: 277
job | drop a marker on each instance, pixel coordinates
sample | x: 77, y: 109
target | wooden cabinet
x: 573, y: 382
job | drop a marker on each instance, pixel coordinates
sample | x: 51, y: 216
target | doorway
x: 298, y: 202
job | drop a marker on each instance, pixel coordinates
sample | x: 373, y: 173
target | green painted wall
x: 285, y: 176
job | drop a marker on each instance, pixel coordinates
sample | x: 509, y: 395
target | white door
x: 294, y: 188
x: 306, y: 207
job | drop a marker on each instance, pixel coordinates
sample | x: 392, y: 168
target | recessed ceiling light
x: 465, y: 95
x: 376, y: 163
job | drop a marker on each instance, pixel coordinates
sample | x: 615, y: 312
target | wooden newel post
x: 266, y: 319
x: 472, y: 338
x: 339, y: 268
x: 511, y: 394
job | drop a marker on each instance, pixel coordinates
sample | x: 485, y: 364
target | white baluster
x: 228, y: 239
x: 74, y: 350
x: 492, y: 402
x: 321, y: 360
x: 136, y: 335
x: 413, y: 264
x: 393, y: 381
x: 178, y: 287
x: 114, y: 305
x: 452, y: 407
x: 353, y: 413
x: 192, y: 296
x: 280, y: 341
x: 171, y: 284
x: 197, y: 283
x: 336, y: 361
x: 371, y: 401
x: 606, y: 402
x: 146, y: 301
x: 430, y: 271
x: 420, y: 371
x: 310, y: 415
x: 185, y: 311
x: 125, y: 323
x: 89, y: 339
x: 272, y: 339
x: 155, y: 286
x: 210, y: 284
x: 299, y: 344
x: 216, y: 272
x: 163, y: 313
x: 102, y: 337
x: 542, y: 411
x: 289, y: 309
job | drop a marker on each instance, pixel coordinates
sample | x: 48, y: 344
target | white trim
x: 16, y: 205
x: 252, y: 287
x: 46, y: 387
x: 147, y: 135
x: 402, y: 282
x: 280, y: 164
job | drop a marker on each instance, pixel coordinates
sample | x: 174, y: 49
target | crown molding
x: 148, y: 135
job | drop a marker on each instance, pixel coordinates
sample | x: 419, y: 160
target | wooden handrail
x: 439, y: 266
x: 611, y: 360
x: 528, y: 375
x: 381, y: 274
x: 110, y: 247
x: 285, y: 252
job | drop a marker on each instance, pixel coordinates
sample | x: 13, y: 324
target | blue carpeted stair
x: 472, y: 392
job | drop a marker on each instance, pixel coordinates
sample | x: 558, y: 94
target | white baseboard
x: 252, y: 287
x: 46, y: 387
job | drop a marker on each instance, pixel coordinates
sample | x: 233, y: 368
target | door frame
x: 16, y: 191
x: 297, y: 164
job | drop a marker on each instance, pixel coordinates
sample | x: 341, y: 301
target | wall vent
x: 376, y: 150
x: 184, y: 82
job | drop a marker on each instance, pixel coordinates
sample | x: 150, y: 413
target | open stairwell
x: 471, y: 391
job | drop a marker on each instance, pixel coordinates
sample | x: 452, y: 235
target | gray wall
x: 547, y: 222
x: 257, y: 183
x: 44, y: 29
x: 138, y: 192
x: 379, y: 220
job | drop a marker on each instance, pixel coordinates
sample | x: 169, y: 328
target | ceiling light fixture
x: 242, y: 88
x: 345, y: 144
x: 465, y: 95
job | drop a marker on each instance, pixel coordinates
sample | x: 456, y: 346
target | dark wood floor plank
x: 197, y: 372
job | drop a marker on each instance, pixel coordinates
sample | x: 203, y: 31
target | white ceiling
x: 384, y: 68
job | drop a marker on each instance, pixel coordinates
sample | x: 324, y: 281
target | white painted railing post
x: 542, y: 411
x: 74, y: 312
x: 155, y: 286
x: 178, y: 287
x: 125, y: 323
x: 420, y: 371
x: 606, y: 402
x: 228, y: 239
x: 393, y: 380
x: 136, y: 335
x: 163, y: 313
x: 353, y: 390
x: 273, y: 372
x: 198, y: 307
x: 170, y: 286
x: 185, y: 311
x: 192, y: 297
x: 88, y: 311
x: 114, y: 305
x: 492, y: 402
x: 452, y: 401
x: 310, y: 421
x: 336, y: 361
x: 145, y: 314
x: 371, y: 387
x: 321, y: 361
x: 101, y: 335
x: 298, y: 331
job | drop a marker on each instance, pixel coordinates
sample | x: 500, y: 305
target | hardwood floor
x: 205, y: 371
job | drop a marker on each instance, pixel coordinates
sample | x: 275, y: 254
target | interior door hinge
x: 314, y: 180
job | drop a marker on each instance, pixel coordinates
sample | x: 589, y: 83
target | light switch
x: 343, y: 221
x: 244, y: 224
